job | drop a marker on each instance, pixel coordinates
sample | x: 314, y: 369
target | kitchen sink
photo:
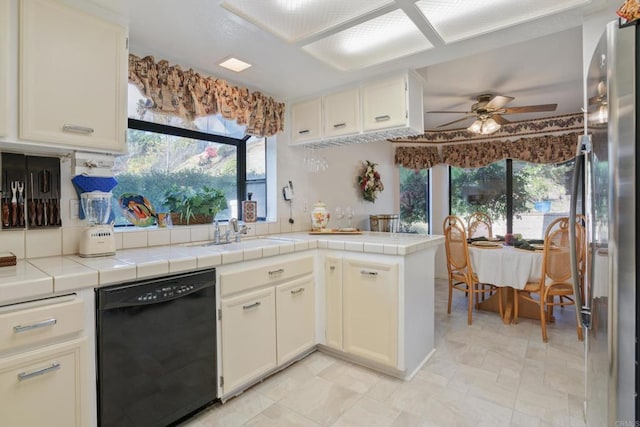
x: 246, y: 243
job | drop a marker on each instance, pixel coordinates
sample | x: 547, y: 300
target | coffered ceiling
x: 529, y: 49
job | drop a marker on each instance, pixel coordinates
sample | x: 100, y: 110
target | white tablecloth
x: 507, y: 266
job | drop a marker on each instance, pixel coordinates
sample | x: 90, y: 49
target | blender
x: 97, y: 237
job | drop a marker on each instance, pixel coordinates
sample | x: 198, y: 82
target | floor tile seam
x: 361, y: 396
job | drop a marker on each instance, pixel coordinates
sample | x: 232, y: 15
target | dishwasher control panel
x: 165, y: 292
x: 152, y: 291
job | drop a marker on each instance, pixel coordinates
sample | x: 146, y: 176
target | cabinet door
x: 370, y: 311
x: 306, y: 121
x: 248, y: 328
x: 333, y: 283
x: 73, y: 77
x: 342, y: 113
x: 43, y: 387
x: 4, y: 67
x: 385, y: 104
x: 295, y: 316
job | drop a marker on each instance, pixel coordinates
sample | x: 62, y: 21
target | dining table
x: 509, y: 268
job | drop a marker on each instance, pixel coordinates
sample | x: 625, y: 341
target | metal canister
x: 385, y: 223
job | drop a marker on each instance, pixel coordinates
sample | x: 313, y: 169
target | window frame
x: 240, y: 144
x: 509, y: 190
x: 428, y: 192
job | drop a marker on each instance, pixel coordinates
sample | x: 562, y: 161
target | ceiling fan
x: 488, y: 112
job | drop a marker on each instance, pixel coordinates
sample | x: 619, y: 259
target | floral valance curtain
x: 417, y: 157
x: 537, y: 149
x: 190, y: 95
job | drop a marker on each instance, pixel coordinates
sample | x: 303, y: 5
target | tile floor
x: 487, y: 374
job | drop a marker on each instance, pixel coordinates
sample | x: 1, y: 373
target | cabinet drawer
x: 33, y: 325
x: 43, y: 387
x: 239, y: 281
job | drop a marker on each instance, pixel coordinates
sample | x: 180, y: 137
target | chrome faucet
x: 216, y: 234
x: 237, y: 231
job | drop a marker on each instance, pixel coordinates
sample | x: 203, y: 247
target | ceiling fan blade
x: 499, y: 119
x: 455, y: 121
x: 452, y: 112
x: 498, y: 101
x: 530, y: 109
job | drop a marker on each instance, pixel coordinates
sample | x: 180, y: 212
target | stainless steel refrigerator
x: 606, y: 169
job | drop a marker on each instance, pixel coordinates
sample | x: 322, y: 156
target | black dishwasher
x: 156, y: 347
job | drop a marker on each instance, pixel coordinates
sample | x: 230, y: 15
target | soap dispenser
x: 249, y: 209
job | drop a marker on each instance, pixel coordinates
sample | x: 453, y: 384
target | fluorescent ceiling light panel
x: 294, y: 20
x: 234, y: 64
x: 381, y: 39
x: 457, y: 20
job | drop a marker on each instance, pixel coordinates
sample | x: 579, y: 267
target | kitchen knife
x: 32, y: 205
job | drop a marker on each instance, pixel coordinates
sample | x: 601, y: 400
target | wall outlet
x: 74, y: 207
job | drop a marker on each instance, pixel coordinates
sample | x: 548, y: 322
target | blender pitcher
x: 97, y: 238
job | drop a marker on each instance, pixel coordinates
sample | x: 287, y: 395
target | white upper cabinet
x: 4, y: 67
x: 73, y: 78
x: 306, y: 119
x: 385, y: 104
x: 374, y: 111
x: 342, y: 113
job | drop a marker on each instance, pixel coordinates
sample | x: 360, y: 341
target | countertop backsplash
x: 65, y: 240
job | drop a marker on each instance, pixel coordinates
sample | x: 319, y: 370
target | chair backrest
x: 456, y: 244
x: 556, y: 264
x: 479, y: 224
x: 581, y: 235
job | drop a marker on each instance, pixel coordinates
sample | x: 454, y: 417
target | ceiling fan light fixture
x: 476, y: 126
x: 489, y: 126
x: 484, y: 126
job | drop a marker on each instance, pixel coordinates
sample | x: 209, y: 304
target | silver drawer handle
x: 247, y: 307
x: 303, y: 131
x: 297, y: 291
x: 368, y: 273
x: 26, y: 375
x: 42, y: 324
x: 77, y: 129
x: 339, y: 125
x: 278, y: 271
x: 383, y: 118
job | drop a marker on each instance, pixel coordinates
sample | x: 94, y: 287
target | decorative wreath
x: 370, y: 182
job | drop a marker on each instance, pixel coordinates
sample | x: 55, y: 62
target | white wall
x: 338, y: 185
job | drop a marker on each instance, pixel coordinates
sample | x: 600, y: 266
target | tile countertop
x: 41, y: 277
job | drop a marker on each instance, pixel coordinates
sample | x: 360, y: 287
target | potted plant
x: 190, y: 206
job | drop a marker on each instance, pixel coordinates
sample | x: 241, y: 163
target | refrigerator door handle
x: 582, y: 317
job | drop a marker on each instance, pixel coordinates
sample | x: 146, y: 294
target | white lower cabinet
x: 248, y: 337
x: 333, y: 287
x: 267, y: 317
x: 295, y: 315
x: 362, y: 309
x: 43, y: 387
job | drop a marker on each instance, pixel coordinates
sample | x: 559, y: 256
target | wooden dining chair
x: 479, y: 225
x: 555, y: 278
x: 581, y: 236
x: 461, y: 275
